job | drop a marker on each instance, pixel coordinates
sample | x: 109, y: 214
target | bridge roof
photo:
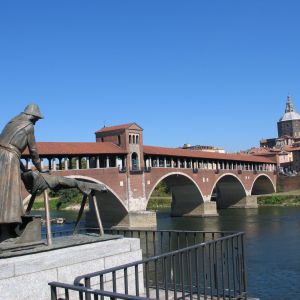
x: 76, y: 148
x: 154, y: 150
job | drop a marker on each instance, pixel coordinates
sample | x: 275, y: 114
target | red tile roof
x: 260, y: 150
x: 76, y: 148
x: 114, y: 128
x: 153, y: 150
x: 93, y: 148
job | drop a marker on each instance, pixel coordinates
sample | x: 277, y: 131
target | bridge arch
x: 262, y: 184
x: 186, y: 194
x: 227, y: 191
x: 111, y: 207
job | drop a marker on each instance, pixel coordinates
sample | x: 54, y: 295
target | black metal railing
x: 213, y: 268
x: 155, y: 242
x: 176, y: 264
x: 63, y: 291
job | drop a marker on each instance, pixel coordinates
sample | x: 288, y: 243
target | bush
x: 161, y: 190
x: 67, y: 197
x: 155, y: 203
x: 279, y: 200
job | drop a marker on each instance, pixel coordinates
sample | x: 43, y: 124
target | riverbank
x: 156, y: 203
x: 291, y: 198
x: 277, y: 199
x: 56, y: 204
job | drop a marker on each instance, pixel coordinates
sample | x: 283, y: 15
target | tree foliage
x: 161, y: 190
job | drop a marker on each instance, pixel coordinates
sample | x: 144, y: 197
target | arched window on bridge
x: 129, y: 138
x: 134, y: 161
x: 133, y: 139
x: 137, y: 139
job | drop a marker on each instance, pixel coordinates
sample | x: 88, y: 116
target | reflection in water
x: 272, y: 244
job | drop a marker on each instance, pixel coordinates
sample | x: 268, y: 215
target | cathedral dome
x: 290, y: 113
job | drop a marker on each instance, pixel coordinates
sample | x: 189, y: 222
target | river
x: 272, y: 245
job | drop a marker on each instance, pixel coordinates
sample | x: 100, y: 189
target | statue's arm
x: 33, y: 149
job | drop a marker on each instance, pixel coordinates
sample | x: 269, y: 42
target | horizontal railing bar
x: 94, y: 292
x: 152, y: 230
x: 166, y: 230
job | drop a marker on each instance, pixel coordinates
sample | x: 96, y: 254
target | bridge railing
x: 177, y: 264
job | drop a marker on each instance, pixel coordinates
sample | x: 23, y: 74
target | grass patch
x: 279, y: 200
x: 156, y: 203
x: 60, y: 200
x: 39, y: 203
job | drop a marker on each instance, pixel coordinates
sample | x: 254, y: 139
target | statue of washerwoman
x: 15, y: 137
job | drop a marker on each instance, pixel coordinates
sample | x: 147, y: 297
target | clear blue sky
x: 200, y: 72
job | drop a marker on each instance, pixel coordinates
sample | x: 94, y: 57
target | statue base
x: 10, y: 248
x: 27, y: 276
x: 29, y: 231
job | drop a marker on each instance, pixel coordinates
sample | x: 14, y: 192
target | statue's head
x: 33, y: 110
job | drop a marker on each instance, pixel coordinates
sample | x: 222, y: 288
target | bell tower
x: 289, y: 124
x: 130, y: 138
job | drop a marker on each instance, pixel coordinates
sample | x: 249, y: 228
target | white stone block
x: 6, y: 269
x: 28, y: 276
x: 67, y: 274
x: 135, y: 244
x: 69, y: 256
x: 28, y: 286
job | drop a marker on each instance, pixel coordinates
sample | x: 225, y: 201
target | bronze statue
x: 15, y: 137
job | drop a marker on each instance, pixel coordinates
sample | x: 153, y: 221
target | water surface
x: 272, y: 246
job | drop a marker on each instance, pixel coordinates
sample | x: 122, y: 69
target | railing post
x: 101, y: 231
x: 53, y: 293
x: 244, y: 267
x: 47, y: 217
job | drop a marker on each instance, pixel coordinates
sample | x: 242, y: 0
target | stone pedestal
x: 139, y: 219
x: 27, y: 276
x: 136, y: 219
x: 205, y: 209
x: 246, y: 202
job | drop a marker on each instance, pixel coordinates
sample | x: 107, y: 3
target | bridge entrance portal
x: 228, y: 191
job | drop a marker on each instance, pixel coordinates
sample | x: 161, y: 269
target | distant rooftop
x: 203, y: 148
x: 117, y: 127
